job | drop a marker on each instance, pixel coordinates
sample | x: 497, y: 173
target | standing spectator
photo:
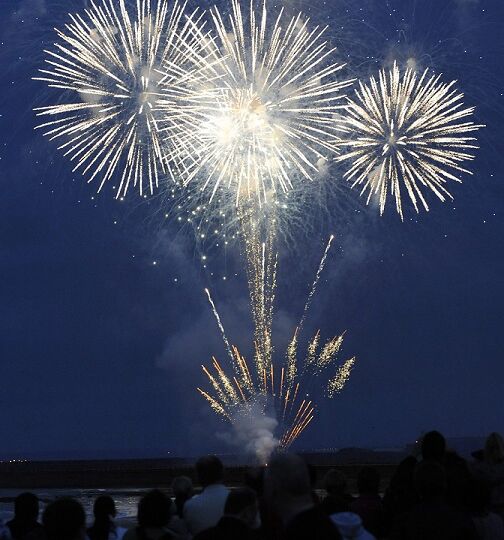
x: 4, y: 531
x: 182, y: 488
x: 489, y: 526
x: 25, y: 521
x: 155, y: 519
x: 64, y: 519
x: 240, y: 519
x: 337, y: 499
x: 368, y: 505
x: 433, y: 518
x: 288, y: 496
x: 458, y: 477
x: 204, y: 510
x: 400, y: 496
x: 490, y: 470
x: 104, y: 528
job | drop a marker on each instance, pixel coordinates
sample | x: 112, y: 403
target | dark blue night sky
x: 104, y: 323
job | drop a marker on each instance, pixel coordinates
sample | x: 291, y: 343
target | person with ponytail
x: 104, y: 528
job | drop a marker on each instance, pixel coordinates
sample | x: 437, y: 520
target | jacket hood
x: 350, y: 526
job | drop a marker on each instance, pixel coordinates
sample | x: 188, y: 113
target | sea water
x: 126, y: 501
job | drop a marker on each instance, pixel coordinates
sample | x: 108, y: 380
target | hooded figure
x: 350, y: 526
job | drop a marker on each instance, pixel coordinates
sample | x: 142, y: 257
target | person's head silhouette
x: 433, y: 446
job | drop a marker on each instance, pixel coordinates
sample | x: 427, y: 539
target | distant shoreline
x: 147, y: 473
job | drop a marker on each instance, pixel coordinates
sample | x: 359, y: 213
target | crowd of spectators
x: 436, y: 495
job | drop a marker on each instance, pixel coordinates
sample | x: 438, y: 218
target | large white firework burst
x: 406, y: 134
x: 123, y: 69
x: 271, y: 117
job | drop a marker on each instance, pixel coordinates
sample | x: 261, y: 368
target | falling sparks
x: 291, y: 360
x: 406, y: 134
x: 261, y: 266
x: 312, y: 349
x: 265, y: 386
x: 337, y: 383
x: 124, y: 72
x: 329, y: 352
x: 272, y: 120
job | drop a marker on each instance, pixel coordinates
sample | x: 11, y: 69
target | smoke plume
x: 253, y: 431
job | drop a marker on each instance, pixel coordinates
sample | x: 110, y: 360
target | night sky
x: 104, y: 322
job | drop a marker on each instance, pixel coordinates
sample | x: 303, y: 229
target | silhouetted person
x: 25, y: 521
x: 458, y: 476
x: 288, y: 495
x: 204, y: 510
x: 155, y: 519
x: 433, y: 518
x: 269, y: 523
x: 433, y: 447
x: 64, y: 519
x: 459, y: 480
x: 4, y: 531
x: 254, y: 479
x: 182, y: 488
x: 337, y: 499
x: 312, y: 473
x: 490, y: 470
x: 240, y: 519
x: 488, y: 525
x: 401, y: 496
x: 104, y: 528
x: 368, y: 505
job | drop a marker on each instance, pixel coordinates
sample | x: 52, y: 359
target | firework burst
x: 406, y: 134
x: 271, y: 117
x: 123, y: 71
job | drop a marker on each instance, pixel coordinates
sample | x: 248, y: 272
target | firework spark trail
x: 223, y: 396
x: 406, y: 132
x: 303, y: 417
x: 226, y: 382
x: 315, y: 282
x: 216, y: 406
x: 221, y: 326
x: 272, y: 119
x: 245, y: 377
x: 293, y: 401
x: 110, y: 63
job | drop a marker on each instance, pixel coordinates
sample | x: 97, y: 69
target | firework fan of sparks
x: 244, y: 389
x: 406, y: 134
x: 271, y: 116
x: 123, y: 71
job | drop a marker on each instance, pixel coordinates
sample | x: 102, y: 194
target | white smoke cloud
x: 30, y: 9
x: 254, y: 432
x: 465, y: 11
x: 322, y: 167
